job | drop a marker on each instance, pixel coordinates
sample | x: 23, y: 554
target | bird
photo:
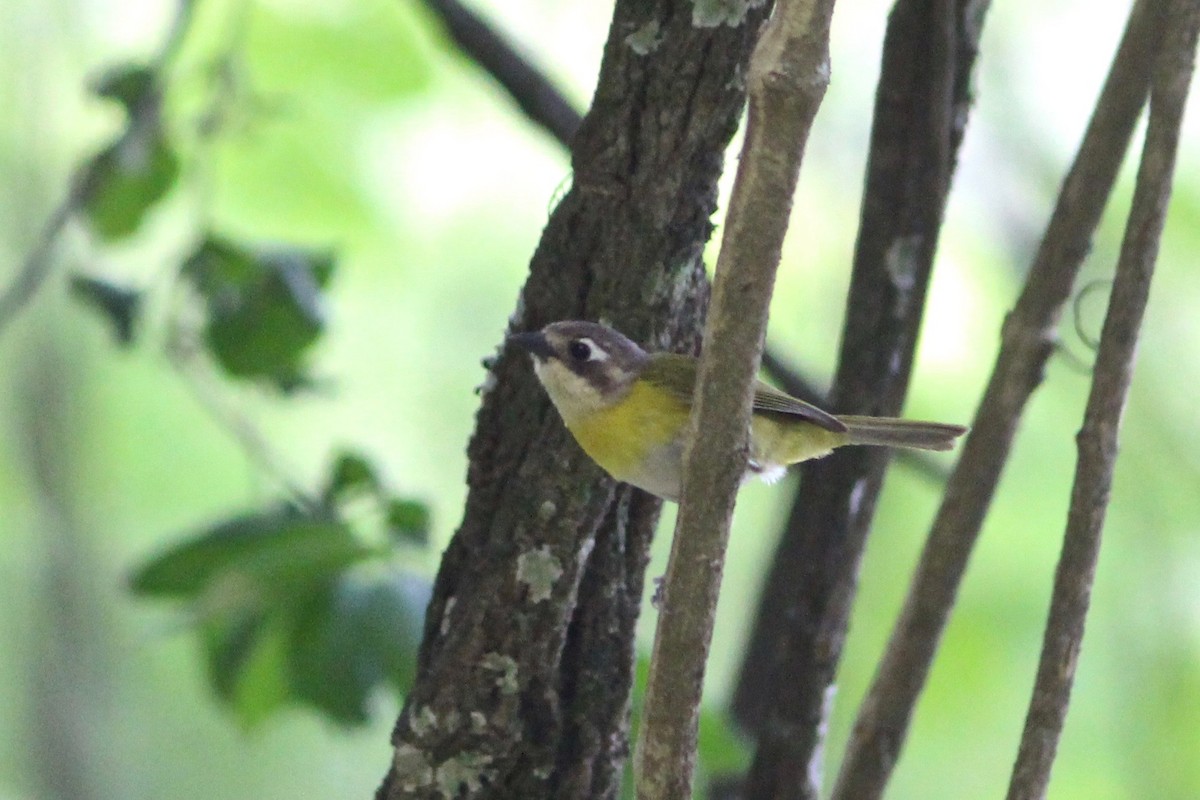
x: 628, y: 410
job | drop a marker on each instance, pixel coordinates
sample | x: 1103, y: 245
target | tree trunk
x: 526, y: 667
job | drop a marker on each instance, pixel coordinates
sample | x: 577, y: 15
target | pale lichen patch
x: 903, y: 260
x: 712, y: 13
x: 645, y: 39
x: 507, y: 679
x: 539, y: 570
x: 466, y: 770
x: 423, y: 722
x: 444, y: 625
x: 412, y: 767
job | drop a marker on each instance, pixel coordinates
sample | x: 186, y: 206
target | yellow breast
x: 622, y: 437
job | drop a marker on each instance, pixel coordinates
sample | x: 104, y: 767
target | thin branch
x: 921, y: 106
x: 786, y: 82
x: 258, y: 451
x: 537, y: 97
x: 176, y: 35
x: 1097, y: 440
x: 39, y: 263
x: 1029, y: 337
x: 790, y: 379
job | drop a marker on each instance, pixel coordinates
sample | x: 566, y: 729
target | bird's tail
x: 890, y: 432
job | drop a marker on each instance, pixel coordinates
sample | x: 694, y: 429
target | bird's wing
x: 768, y: 398
x: 676, y: 374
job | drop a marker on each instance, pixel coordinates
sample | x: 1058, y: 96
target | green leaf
x: 265, y: 307
x: 360, y: 634
x: 220, y: 269
x: 408, y: 520
x: 393, y: 624
x: 405, y: 520
x: 126, y: 180
x: 261, y: 677
x: 266, y: 555
x: 352, y: 474
x: 228, y: 642
x: 119, y: 305
x: 129, y: 84
x: 330, y: 647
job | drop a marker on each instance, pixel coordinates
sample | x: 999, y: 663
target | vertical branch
x: 1028, y: 339
x: 921, y: 108
x: 786, y: 82
x: 1097, y: 440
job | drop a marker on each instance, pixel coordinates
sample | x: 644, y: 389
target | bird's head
x: 585, y: 366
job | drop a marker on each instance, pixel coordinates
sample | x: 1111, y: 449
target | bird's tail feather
x: 890, y: 432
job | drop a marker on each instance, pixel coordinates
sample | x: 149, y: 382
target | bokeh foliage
x: 279, y: 598
x: 337, y: 166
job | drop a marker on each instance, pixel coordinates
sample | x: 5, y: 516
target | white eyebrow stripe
x: 598, y: 353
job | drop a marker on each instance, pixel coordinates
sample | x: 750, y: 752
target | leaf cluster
x: 294, y: 605
x: 305, y: 602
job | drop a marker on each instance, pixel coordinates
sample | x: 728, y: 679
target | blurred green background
x: 356, y: 126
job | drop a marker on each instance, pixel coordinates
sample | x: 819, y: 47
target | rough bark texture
x: 921, y: 110
x: 525, y: 671
x: 785, y: 84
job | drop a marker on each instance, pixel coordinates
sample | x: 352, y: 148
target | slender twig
x: 1097, y: 440
x: 790, y: 379
x: 1029, y: 336
x: 203, y: 386
x: 176, y: 35
x: 786, y: 81
x: 922, y: 103
x: 39, y: 262
x: 537, y: 97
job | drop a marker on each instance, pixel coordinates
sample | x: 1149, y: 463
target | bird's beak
x: 535, y: 343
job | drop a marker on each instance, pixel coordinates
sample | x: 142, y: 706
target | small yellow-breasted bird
x: 628, y: 409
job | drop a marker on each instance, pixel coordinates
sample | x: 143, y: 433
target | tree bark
x: 525, y: 670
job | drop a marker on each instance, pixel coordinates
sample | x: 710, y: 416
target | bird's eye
x: 579, y: 350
